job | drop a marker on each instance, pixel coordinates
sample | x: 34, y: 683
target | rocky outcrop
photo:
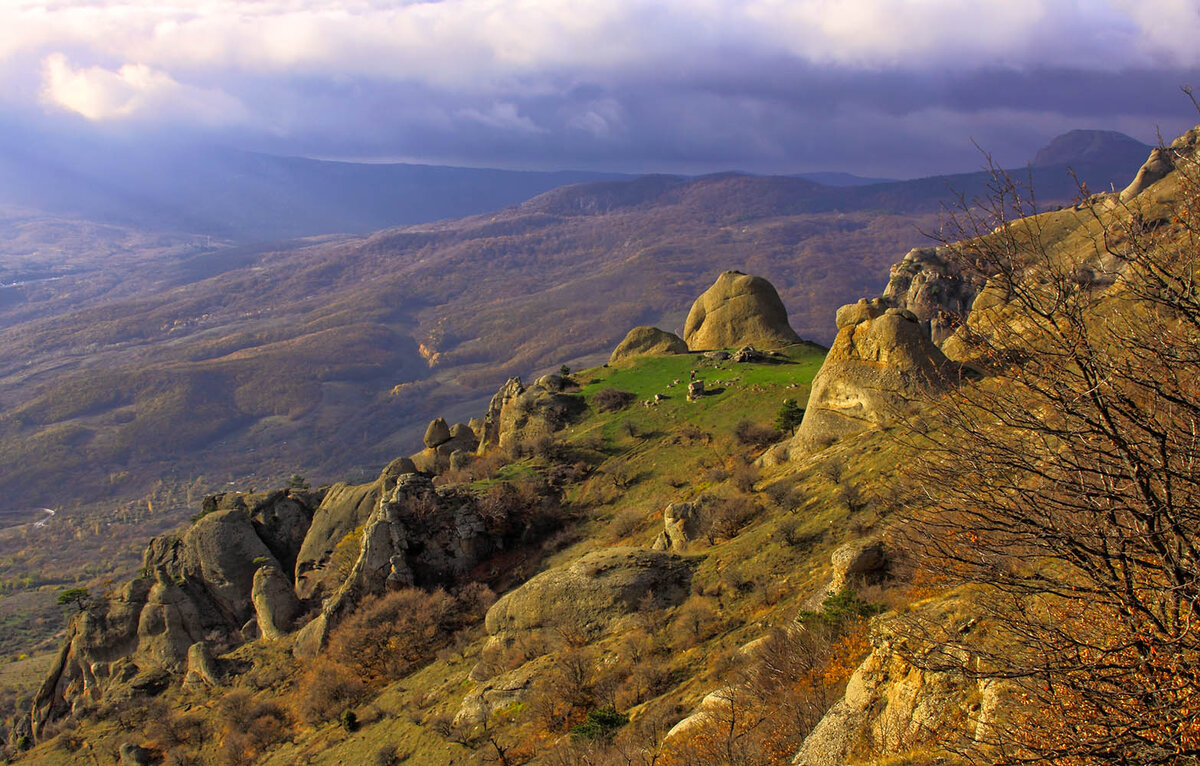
x: 441, y: 443
x: 195, y: 588
x: 1160, y: 163
x: 417, y: 535
x: 500, y: 692
x: 893, y: 706
x: 202, y: 667
x: 933, y: 289
x: 136, y: 755
x: 437, y: 433
x: 681, y: 525
x: 648, y: 341
x: 881, y: 361
x: 593, y: 593
x: 518, y: 414
x: 738, y: 310
x: 275, y: 604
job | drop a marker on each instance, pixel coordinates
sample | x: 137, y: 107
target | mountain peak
x: 1078, y: 146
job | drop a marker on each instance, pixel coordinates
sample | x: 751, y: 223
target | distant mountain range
x: 129, y: 355
x: 253, y: 197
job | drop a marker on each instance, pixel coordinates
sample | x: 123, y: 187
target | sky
x: 892, y: 88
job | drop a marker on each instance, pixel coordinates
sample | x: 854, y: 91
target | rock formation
x: 441, y: 442
x: 275, y: 604
x: 1160, y: 163
x: 344, y: 508
x: 437, y: 433
x: 417, y: 535
x: 881, y: 361
x: 648, y: 341
x: 738, y: 310
x: 892, y: 706
x: 195, y: 588
x: 927, y: 284
x: 518, y: 414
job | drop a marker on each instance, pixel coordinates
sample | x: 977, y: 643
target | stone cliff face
x: 895, y: 704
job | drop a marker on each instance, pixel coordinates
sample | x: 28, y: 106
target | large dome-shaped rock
x: 648, y: 341
x: 594, y: 592
x: 738, y: 310
x: 881, y: 361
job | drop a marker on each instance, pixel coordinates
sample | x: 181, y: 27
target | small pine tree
x: 80, y: 597
x: 789, y: 416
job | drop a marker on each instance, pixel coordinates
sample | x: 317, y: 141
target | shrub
x: 600, y: 724
x: 753, y: 434
x: 391, y: 635
x: 326, y: 690
x: 612, y: 399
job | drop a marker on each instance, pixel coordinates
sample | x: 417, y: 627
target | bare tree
x: 1064, y: 485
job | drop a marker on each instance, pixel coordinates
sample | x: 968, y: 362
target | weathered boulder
x: 275, y: 604
x: 1156, y: 168
x: 648, y: 341
x: 499, y: 692
x: 681, y: 525
x: 737, y: 310
x: 881, y: 361
x: 201, y: 666
x: 864, y: 560
x: 437, y: 433
x: 344, y: 508
x: 219, y: 553
x: 591, y: 594
x: 1161, y: 162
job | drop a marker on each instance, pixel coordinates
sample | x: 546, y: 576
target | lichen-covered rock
x: 881, y: 361
x: 591, y: 594
x: 739, y: 309
x: 648, y: 341
x: 275, y: 604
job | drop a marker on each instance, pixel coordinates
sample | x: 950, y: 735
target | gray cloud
x: 887, y: 87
